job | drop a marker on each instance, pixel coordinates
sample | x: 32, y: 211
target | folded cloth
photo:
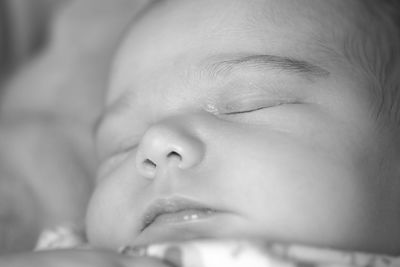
x: 230, y: 252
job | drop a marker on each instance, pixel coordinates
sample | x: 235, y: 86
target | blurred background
x: 55, y: 57
x: 23, y: 30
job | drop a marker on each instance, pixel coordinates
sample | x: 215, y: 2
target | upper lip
x: 170, y: 205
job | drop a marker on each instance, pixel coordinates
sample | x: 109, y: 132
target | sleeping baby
x: 265, y: 120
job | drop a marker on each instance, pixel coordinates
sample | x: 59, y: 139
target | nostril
x: 174, y: 155
x: 149, y: 164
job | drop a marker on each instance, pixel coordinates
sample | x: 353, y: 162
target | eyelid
x: 245, y: 110
x: 249, y: 104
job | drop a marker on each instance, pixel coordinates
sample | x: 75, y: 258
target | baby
x: 267, y: 119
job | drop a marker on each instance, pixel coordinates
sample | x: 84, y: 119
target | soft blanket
x: 229, y: 252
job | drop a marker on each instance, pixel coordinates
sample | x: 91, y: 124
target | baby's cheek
x: 102, y: 216
x: 114, y: 209
x: 96, y: 219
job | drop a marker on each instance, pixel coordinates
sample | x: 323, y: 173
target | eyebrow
x: 260, y: 62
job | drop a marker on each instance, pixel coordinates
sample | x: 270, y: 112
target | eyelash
x: 244, y: 111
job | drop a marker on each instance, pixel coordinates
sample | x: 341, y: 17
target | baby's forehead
x: 295, y: 23
x: 288, y: 34
x: 275, y: 11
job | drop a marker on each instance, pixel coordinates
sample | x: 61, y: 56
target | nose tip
x: 164, y: 147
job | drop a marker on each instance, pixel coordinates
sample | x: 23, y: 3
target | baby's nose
x: 166, y: 145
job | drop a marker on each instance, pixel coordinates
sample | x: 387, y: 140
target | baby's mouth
x: 175, y: 210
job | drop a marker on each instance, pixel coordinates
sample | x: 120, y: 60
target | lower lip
x: 189, y: 215
x: 183, y: 225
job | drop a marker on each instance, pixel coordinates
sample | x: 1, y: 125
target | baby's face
x: 235, y: 118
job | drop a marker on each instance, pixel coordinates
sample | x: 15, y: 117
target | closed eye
x: 244, y: 110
